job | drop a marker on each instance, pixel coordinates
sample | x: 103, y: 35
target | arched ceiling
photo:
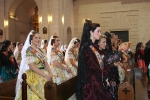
x: 27, y: 4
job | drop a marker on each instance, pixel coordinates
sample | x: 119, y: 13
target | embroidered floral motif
x: 59, y: 53
x: 74, y: 53
x: 98, y: 57
x: 39, y: 55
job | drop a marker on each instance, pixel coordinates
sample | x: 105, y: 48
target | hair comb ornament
x: 88, y: 24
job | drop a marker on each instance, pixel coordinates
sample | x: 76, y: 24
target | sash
x: 59, y: 53
x: 39, y: 55
x: 101, y: 65
x: 45, y: 48
x: 99, y: 58
x: 73, y: 52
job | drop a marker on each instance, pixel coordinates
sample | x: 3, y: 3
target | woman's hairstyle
x: 148, y: 44
x: 5, y: 45
x: 108, y: 41
x: 14, y: 44
x: 112, y: 35
x: 107, y: 34
x: 76, y: 41
x: 53, y: 39
x: 45, y: 41
x: 19, y: 43
x: 137, y: 50
x: 101, y: 37
x: 88, y: 26
x: 138, y: 46
x: 124, y: 44
x: 32, y: 35
x: 94, y: 26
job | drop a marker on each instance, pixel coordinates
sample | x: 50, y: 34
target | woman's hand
x: 48, y: 77
x: 68, y: 70
x: 108, y: 84
x: 116, y: 63
x: 120, y: 64
x: 113, y: 83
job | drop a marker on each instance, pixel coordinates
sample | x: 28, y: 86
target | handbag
x: 141, y: 64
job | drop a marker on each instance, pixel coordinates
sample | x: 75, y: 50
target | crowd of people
x: 100, y: 61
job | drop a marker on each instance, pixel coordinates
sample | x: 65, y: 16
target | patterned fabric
x: 94, y: 90
x: 45, y: 49
x: 109, y: 59
x: 98, y: 56
x: 125, y: 60
x: 34, y: 80
x: 8, y: 73
x: 8, y: 66
x: 72, y: 55
x: 121, y: 74
x: 19, y: 57
x: 59, y: 75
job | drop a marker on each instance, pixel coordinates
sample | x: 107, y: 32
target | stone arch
x: 16, y: 3
x: 69, y: 35
x: 20, y: 13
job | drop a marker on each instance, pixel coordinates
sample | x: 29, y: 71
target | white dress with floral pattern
x: 59, y: 75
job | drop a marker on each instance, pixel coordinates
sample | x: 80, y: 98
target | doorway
x: 21, y: 19
x: 124, y: 35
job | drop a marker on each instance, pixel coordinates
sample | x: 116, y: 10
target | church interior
x: 129, y: 19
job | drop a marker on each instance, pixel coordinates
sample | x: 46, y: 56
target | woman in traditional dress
x: 116, y: 73
x: 34, y: 64
x: 92, y: 77
x: 9, y: 67
x: 71, y: 56
x: 123, y: 48
x: 139, y: 57
x: 17, y: 52
x: 110, y: 62
x: 61, y: 72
